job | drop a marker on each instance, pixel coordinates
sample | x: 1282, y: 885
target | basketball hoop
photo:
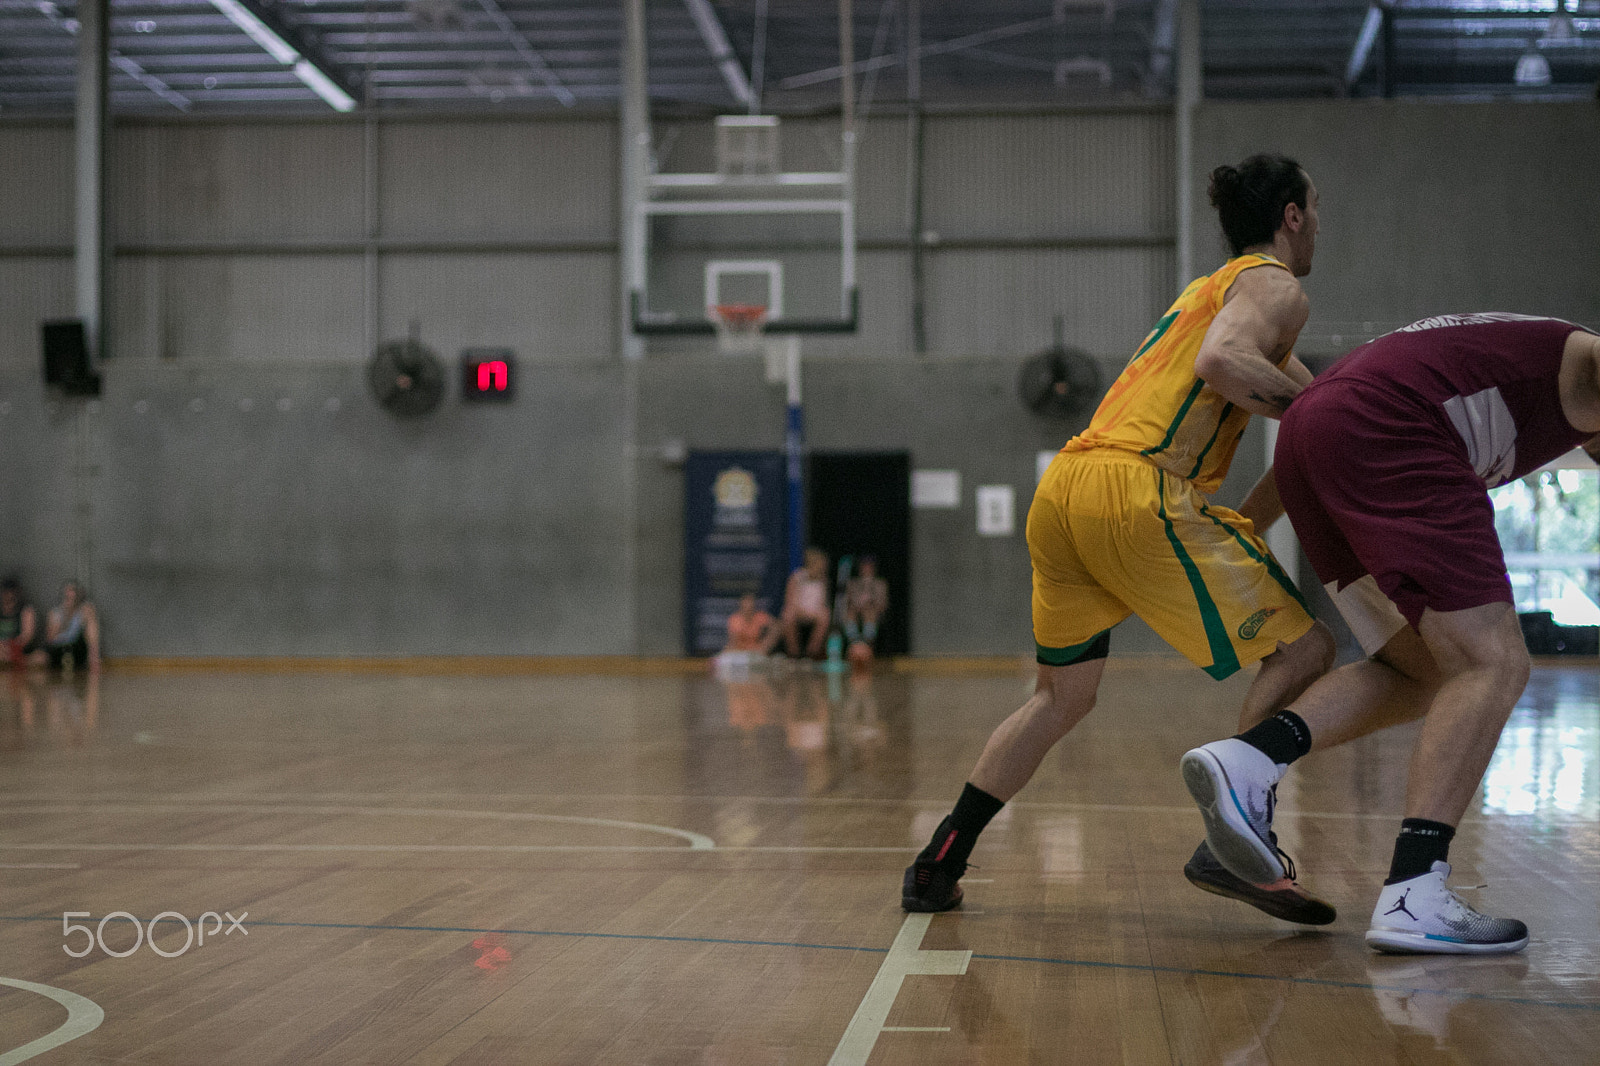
x: 738, y: 327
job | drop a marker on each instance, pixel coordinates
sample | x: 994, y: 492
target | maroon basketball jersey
x: 1491, y: 378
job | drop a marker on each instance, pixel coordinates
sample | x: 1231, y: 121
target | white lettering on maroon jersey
x: 1478, y: 319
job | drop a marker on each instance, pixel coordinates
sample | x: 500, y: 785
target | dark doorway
x: 860, y: 504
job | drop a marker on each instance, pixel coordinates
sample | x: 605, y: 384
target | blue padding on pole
x: 793, y: 445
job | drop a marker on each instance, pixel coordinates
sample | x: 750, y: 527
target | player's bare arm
x: 1298, y: 371
x: 1580, y: 382
x: 1263, y: 314
x: 1262, y: 506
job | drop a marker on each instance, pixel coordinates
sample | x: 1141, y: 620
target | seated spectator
x: 805, y: 607
x: 866, y: 601
x: 750, y: 628
x: 72, y: 629
x: 19, y: 623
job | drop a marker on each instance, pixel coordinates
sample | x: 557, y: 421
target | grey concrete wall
x: 1429, y: 207
x: 230, y: 508
x: 219, y: 504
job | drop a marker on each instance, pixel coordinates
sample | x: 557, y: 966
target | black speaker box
x: 66, y: 358
x: 1545, y: 637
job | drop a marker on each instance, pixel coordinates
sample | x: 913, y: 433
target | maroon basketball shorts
x: 1378, y: 486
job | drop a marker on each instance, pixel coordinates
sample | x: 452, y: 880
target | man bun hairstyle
x: 1250, y: 197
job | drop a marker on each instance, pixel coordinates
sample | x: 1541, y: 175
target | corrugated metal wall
x: 246, y: 241
x: 242, y: 282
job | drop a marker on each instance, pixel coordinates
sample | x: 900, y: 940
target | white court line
x: 861, y: 801
x: 39, y: 866
x: 905, y: 958
x: 511, y: 848
x: 697, y: 841
x: 83, y: 1016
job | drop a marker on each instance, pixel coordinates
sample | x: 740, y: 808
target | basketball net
x: 739, y: 328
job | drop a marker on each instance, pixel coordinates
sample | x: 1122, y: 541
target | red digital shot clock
x: 488, y: 375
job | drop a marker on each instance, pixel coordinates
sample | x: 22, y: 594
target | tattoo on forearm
x: 1279, y: 400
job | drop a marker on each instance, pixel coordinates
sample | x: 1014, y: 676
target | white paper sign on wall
x: 1041, y: 463
x: 997, y: 510
x: 936, y: 488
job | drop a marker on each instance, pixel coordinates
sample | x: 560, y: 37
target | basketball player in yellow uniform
x: 1121, y: 525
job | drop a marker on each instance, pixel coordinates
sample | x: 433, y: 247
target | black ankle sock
x: 1421, y: 843
x: 1283, y: 738
x: 952, y: 842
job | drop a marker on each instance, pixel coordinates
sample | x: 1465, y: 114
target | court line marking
x: 498, y: 849
x: 39, y: 866
x: 697, y: 841
x: 83, y: 1016
x: 940, y: 804
x: 1186, y: 971
x: 904, y: 958
x: 502, y: 848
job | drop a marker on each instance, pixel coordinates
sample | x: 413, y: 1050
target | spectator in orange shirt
x: 750, y: 628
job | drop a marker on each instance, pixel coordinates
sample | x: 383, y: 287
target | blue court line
x: 1320, y: 982
x: 1184, y: 971
x: 584, y: 936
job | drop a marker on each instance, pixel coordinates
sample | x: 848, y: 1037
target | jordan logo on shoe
x: 1400, y: 905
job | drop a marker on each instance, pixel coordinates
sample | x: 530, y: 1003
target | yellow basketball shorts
x: 1112, y: 534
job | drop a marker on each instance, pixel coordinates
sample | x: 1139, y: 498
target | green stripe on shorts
x: 1076, y: 653
x: 1223, y: 660
x: 1266, y: 560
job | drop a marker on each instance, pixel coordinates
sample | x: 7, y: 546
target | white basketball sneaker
x: 1423, y: 916
x: 1235, y: 787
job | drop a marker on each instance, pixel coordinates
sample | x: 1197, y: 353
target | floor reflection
x: 1546, y: 761
x: 797, y: 729
x: 35, y: 706
x: 1414, y: 996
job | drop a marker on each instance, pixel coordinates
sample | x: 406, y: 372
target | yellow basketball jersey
x: 1159, y: 408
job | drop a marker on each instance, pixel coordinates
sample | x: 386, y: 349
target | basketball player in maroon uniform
x: 1383, y: 464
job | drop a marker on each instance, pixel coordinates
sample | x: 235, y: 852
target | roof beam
x: 1163, y: 44
x: 128, y: 66
x: 722, y: 54
x: 529, y: 54
x: 957, y: 44
x: 309, y: 64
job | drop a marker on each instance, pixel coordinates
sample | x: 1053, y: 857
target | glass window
x: 1549, y: 526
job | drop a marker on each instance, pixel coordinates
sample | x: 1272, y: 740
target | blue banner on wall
x: 734, y: 541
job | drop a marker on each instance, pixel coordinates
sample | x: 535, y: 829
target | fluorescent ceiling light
x: 258, y: 31
x: 324, y: 86
x: 1364, y: 42
x: 286, y: 53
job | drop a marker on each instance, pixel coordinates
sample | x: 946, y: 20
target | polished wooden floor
x: 669, y: 869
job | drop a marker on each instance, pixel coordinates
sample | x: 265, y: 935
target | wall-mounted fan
x: 1060, y: 381
x: 406, y: 376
